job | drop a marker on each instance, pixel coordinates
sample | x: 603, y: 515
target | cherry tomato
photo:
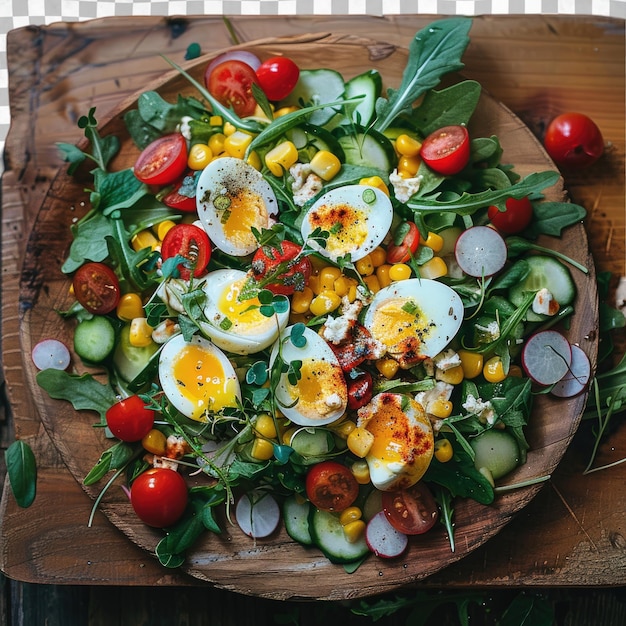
x: 277, y: 77
x: 293, y: 273
x: 159, y: 497
x: 447, y: 150
x: 175, y: 199
x: 231, y: 83
x: 331, y: 486
x: 163, y: 161
x: 411, y: 511
x: 515, y: 219
x: 191, y: 242
x: 356, y: 347
x: 401, y: 252
x: 360, y: 390
x: 130, y: 419
x: 573, y: 140
x: 96, y: 287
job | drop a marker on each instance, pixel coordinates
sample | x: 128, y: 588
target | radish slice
x: 51, y: 354
x: 546, y: 357
x: 234, y: 55
x: 480, y: 251
x: 577, y: 377
x: 257, y: 514
x: 383, y: 539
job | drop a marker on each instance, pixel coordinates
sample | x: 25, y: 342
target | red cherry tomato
x: 159, y: 497
x: 447, y: 150
x: 573, y: 140
x: 401, y: 252
x: 331, y: 486
x: 360, y: 390
x: 130, y: 419
x: 293, y: 273
x: 163, y: 161
x: 175, y: 199
x: 231, y: 83
x: 277, y: 77
x: 411, y: 511
x: 191, y: 242
x: 515, y: 219
x: 96, y: 287
x: 357, y: 346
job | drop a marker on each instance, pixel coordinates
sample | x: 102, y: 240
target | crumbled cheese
x: 336, y: 329
x: 447, y: 360
x: 306, y: 184
x: 404, y: 188
x: 163, y: 462
x: 483, y: 410
x: 544, y: 303
x: 440, y: 390
x: 491, y: 332
x: 351, y: 310
x: 184, y: 128
x: 333, y: 401
x: 165, y: 330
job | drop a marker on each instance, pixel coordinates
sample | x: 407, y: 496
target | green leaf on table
x: 22, y: 472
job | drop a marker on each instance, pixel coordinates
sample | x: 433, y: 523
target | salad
x: 319, y: 302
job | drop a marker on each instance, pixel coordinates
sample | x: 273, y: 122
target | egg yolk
x: 243, y: 316
x: 246, y: 209
x: 201, y: 380
x: 347, y: 227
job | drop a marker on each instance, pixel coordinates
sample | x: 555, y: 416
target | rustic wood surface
x: 566, y: 536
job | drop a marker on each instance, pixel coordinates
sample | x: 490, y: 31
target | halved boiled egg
x: 403, y: 440
x: 414, y: 319
x: 356, y: 217
x: 232, y: 198
x: 197, y: 377
x: 235, y: 322
x: 317, y: 392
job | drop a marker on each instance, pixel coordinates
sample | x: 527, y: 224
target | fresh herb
x: 22, y: 472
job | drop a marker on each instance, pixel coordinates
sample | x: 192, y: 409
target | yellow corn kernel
x: 255, y: 161
x: 326, y: 302
x: 382, y: 273
x: 216, y: 120
x: 301, y: 300
x: 284, y: 110
x: 372, y: 283
x: 314, y: 283
x: 154, y: 442
x: 434, y: 242
x: 237, y: 143
x: 144, y: 239
x: 129, y: 307
x: 342, y: 285
x: 325, y: 164
x: 162, y: 228
x: 387, y: 367
x: 407, y: 146
x: 200, y: 155
x: 375, y: 181
x: 378, y: 256
x: 140, y: 334
x: 260, y: 113
x: 344, y: 429
x: 433, y: 268
x: 229, y: 129
x: 471, y: 362
x: 440, y: 407
x: 352, y: 292
x: 351, y: 514
x: 453, y: 375
x: 493, y: 370
x: 515, y: 370
x: 281, y: 158
x: 327, y: 277
x: 353, y: 531
x: 361, y: 472
x: 408, y: 165
x: 262, y: 449
x: 216, y: 143
x: 265, y: 426
x: 360, y: 442
x: 364, y: 266
x: 443, y: 450
x: 399, y: 271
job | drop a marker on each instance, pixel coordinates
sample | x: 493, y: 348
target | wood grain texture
x: 31, y: 170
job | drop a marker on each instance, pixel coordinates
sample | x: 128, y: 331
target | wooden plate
x: 277, y: 567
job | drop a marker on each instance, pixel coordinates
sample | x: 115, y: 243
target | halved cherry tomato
x: 277, y: 77
x: 357, y: 346
x: 180, y: 201
x: 163, y: 161
x: 447, y: 150
x: 515, y: 219
x: 411, y: 511
x: 159, y: 497
x: 231, y: 83
x: 280, y: 269
x: 130, y: 419
x: 401, y: 252
x: 360, y: 390
x: 573, y: 140
x: 191, y: 242
x: 331, y: 486
x: 96, y: 287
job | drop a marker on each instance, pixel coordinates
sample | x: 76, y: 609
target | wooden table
x: 574, y: 532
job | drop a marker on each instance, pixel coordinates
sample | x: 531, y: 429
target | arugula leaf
x: 550, y: 218
x: 115, y: 457
x: 22, y: 472
x: 89, y: 242
x: 434, y: 51
x: 116, y: 190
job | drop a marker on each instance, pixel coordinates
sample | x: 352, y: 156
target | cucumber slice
x: 369, y: 84
x: 317, y: 87
x: 327, y: 534
x: 368, y: 149
x: 310, y: 139
x: 549, y: 273
x: 296, y: 517
x: 130, y: 360
x: 94, y: 338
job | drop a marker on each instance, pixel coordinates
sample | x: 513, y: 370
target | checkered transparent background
x: 19, y: 13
